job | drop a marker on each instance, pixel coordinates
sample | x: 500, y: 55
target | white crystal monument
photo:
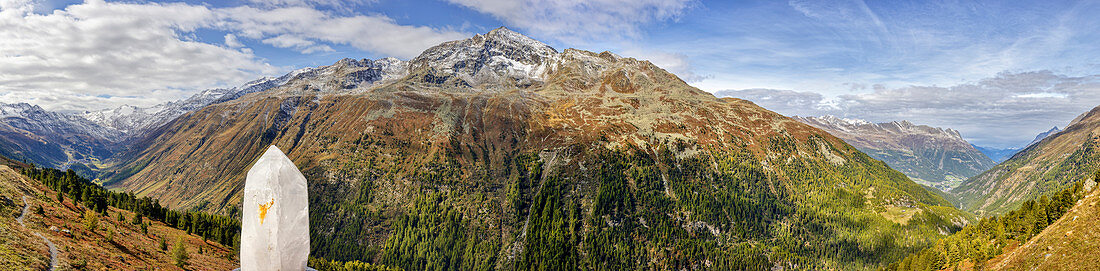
x: 275, y: 226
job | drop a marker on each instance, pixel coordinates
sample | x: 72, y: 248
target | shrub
x: 91, y: 220
x: 179, y: 253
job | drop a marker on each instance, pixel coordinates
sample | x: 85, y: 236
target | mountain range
x: 931, y: 156
x: 131, y: 121
x: 85, y: 140
x: 501, y: 152
x: 30, y: 133
x: 500, y: 144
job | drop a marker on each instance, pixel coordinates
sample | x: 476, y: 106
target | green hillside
x: 978, y: 243
x: 1048, y: 166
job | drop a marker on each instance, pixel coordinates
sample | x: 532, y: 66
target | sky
x: 1000, y: 72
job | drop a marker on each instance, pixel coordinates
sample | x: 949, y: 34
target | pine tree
x: 86, y: 198
x: 136, y: 220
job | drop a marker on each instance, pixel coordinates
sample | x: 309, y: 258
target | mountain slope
x: 1012, y: 236
x: 1064, y: 245
x: 23, y: 246
x: 85, y: 141
x: 1000, y: 155
x: 931, y: 156
x: 1044, y: 167
x: 499, y: 152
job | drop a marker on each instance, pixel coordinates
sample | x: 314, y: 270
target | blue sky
x: 998, y: 71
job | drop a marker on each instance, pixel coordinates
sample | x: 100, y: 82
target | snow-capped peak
x: 838, y: 121
x: 502, y: 55
x: 516, y: 39
x: 31, y: 117
x: 859, y: 126
x: 16, y: 109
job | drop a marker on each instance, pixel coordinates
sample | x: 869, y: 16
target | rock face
x: 492, y: 59
x: 275, y: 226
x: 932, y: 156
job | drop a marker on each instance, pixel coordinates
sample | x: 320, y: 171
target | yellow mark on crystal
x: 263, y: 210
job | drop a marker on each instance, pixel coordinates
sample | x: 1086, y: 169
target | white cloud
x: 305, y: 28
x: 675, y: 63
x: 783, y: 101
x: 232, y: 42
x: 1007, y: 110
x: 343, y: 5
x: 580, y: 20
x: 1042, y: 95
x: 98, y: 54
x: 298, y: 43
x: 16, y: 6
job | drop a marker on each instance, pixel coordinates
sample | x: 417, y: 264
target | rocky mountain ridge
x: 933, y: 156
x: 1043, y: 135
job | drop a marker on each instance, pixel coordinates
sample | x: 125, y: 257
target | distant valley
x: 1050, y: 164
x: 996, y: 154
